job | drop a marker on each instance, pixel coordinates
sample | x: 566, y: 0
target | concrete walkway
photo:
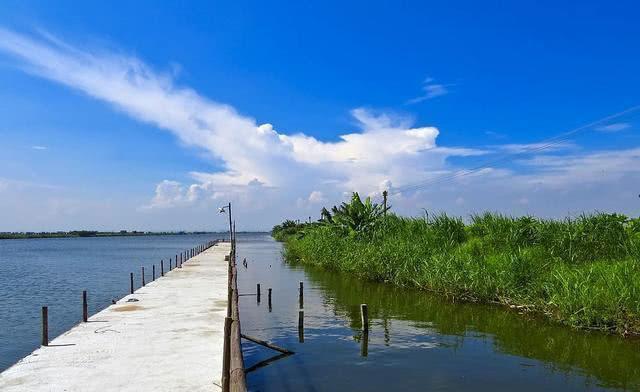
x: 169, y: 340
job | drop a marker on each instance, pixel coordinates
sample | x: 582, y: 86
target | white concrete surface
x: 170, y: 340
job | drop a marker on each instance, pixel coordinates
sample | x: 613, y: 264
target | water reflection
x: 416, y: 341
x: 610, y: 360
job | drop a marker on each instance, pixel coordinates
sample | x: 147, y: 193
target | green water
x: 417, y: 340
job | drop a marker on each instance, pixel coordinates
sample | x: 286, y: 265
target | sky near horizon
x: 149, y: 116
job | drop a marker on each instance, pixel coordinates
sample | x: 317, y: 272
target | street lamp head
x: 222, y: 210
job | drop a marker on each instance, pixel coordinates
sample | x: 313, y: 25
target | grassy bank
x: 584, y: 272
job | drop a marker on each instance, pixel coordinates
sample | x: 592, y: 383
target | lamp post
x: 222, y: 210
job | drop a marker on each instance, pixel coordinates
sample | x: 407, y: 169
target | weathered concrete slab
x: 169, y: 340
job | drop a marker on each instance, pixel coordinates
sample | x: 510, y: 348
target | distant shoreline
x: 93, y: 234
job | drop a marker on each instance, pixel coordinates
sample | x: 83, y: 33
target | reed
x: 584, y: 271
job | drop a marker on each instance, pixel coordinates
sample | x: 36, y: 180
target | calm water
x: 417, y: 341
x: 53, y: 272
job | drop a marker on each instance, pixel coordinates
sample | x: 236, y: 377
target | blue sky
x: 434, y: 88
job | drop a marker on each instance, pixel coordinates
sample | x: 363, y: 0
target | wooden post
x: 269, y: 299
x: 258, y: 292
x: 176, y: 266
x: 364, y: 344
x: 169, y: 263
x: 143, y: 277
x: 301, y: 296
x: 131, y: 281
x: 364, y: 315
x: 45, y: 326
x: 266, y: 344
x: 85, y: 307
x: 229, y: 288
x: 230, y: 225
x: 162, y: 267
x: 226, y: 353
x: 301, y: 326
x: 153, y: 272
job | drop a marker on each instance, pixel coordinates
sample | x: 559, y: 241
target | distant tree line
x: 90, y: 233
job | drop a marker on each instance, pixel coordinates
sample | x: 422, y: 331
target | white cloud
x: 386, y: 147
x: 39, y: 147
x: 169, y: 194
x: 616, y: 127
x: 430, y: 90
x: 281, y: 175
x: 316, y: 197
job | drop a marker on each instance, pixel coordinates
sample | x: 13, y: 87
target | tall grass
x: 584, y: 272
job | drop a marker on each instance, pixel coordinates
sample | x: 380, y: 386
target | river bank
x: 583, y: 272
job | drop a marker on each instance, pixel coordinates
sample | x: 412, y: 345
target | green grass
x: 584, y: 272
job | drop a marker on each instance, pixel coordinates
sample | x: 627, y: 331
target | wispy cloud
x: 39, y: 148
x: 430, y: 90
x: 287, y: 175
x: 616, y: 127
x: 386, y: 147
x: 533, y: 148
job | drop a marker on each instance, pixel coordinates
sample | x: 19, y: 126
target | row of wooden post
x: 179, y: 260
x: 233, y: 372
x: 186, y: 255
x: 364, y: 317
